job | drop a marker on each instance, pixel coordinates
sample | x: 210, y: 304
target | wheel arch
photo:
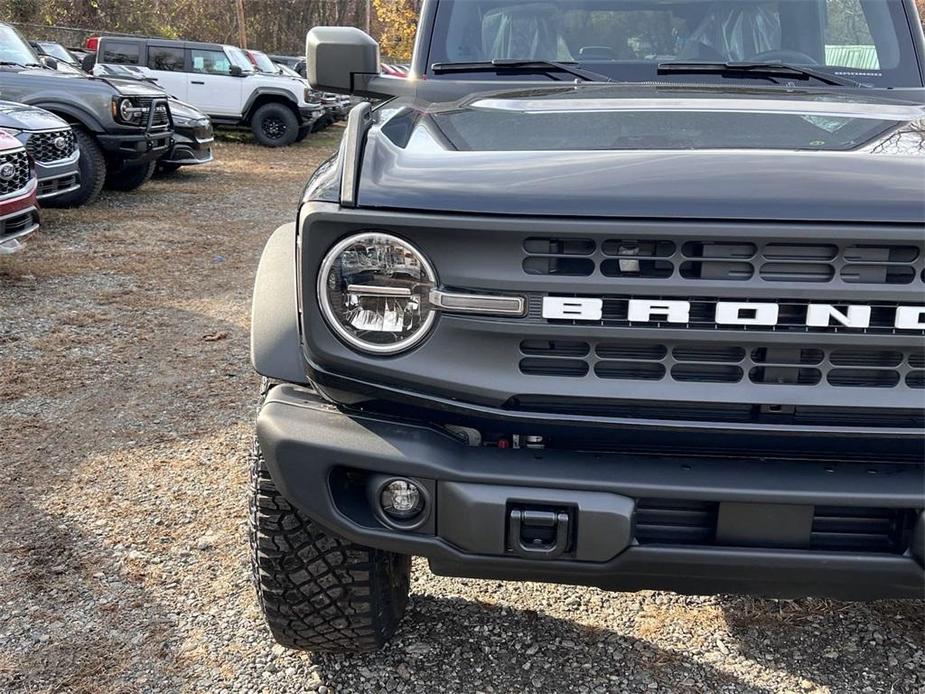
x: 73, y: 114
x: 264, y: 95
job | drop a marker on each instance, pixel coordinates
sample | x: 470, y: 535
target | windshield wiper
x: 758, y: 69
x: 515, y: 65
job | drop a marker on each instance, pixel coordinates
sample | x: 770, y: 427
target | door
x: 167, y: 66
x: 212, y: 88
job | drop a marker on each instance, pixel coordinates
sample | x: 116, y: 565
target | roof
x: 157, y: 41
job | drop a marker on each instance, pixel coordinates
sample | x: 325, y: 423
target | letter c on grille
x: 569, y: 308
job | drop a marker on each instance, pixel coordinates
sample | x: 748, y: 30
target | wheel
x: 128, y: 177
x: 320, y: 592
x: 93, y: 170
x: 275, y: 125
x: 303, y: 133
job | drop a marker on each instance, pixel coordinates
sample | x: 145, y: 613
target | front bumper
x: 19, y: 217
x: 57, y: 177
x: 189, y: 150
x: 323, y: 459
x: 136, y: 147
x: 309, y: 115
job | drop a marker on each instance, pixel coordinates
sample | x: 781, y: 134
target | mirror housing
x: 235, y: 71
x: 343, y: 60
x: 49, y: 62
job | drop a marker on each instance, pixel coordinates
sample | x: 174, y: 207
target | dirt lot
x: 127, y: 402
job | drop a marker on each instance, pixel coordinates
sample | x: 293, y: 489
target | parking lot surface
x: 127, y: 401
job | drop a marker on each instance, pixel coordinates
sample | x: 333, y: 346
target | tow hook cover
x: 534, y: 523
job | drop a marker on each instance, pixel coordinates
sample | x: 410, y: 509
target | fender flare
x: 276, y: 346
x: 69, y: 112
x: 284, y: 94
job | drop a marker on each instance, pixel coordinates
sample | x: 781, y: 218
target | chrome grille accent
x: 41, y: 146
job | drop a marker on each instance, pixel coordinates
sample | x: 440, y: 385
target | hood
x: 630, y: 151
x: 44, y: 78
x: 22, y: 117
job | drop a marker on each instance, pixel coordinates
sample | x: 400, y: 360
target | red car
x: 19, y: 210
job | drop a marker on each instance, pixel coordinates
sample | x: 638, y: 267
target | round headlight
x: 374, y: 291
x: 125, y: 110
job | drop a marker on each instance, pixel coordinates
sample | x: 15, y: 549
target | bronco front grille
x: 20, y: 171
x: 692, y: 362
x: 52, y: 145
x: 725, y: 260
x: 161, y: 114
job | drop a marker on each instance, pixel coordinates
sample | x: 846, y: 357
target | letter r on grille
x: 570, y: 308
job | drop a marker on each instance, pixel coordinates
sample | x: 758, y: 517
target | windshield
x: 57, y: 51
x: 288, y: 71
x: 264, y: 64
x: 238, y: 58
x: 13, y: 48
x: 626, y: 40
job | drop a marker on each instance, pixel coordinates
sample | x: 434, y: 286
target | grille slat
x: 20, y: 171
x: 725, y: 260
x: 691, y: 362
x: 52, y: 145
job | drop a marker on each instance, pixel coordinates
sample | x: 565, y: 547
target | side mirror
x: 235, y: 71
x: 49, y: 62
x: 341, y: 59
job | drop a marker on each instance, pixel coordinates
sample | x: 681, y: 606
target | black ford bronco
x: 121, y: 130
x: 611, y: 293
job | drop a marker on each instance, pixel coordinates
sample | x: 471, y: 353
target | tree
x: 398, y: 21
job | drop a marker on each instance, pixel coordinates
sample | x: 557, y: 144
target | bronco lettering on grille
x: 730, y: 313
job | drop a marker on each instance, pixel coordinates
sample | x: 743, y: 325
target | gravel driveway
x: 127, y: 402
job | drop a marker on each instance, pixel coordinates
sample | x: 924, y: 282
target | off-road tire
x: 93, y: 170
x: 303, y: 133
x: 275, y: 118
x: 318, y: 591
x: 129, y: 177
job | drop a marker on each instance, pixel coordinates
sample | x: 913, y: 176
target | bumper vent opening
x: 834, y: 528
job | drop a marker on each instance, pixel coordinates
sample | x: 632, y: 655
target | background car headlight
x: 373, y: 289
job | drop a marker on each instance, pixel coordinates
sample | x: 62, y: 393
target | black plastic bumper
x: 141, y: 147
x: 318, y: 455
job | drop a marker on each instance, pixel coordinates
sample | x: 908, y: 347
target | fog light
x: 401, y: 500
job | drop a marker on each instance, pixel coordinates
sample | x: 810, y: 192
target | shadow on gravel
x: 847, y: 646
x: 452, y: 644
x: 79, y: 538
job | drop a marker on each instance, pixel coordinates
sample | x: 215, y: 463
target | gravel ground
x: 127, y: 402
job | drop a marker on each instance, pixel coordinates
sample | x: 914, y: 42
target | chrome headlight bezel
x: 335, y: 324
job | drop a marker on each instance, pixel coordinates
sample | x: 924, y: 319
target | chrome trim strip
x: 363, y: 290
x: 478, y: 303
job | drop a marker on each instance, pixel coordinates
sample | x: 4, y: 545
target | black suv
x: 121, y: 130
x: 630, y: 299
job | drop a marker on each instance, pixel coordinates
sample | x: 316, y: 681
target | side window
x: 210, y: 62
x: 121, y: 53
x: 166, y: 58
x: 848, y: 41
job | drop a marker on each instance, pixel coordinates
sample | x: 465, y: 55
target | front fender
x: 275, y: 343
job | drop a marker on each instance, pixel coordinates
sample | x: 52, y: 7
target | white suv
x: 220, y: 81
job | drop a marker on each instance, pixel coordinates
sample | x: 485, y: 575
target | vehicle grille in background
x: 18, y: 224
x: 41, y: 146
x: 161, y: 118
x: 22, y: 172
x: 834, y: 528
x: 728, y: 261
x: 722, y: 363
